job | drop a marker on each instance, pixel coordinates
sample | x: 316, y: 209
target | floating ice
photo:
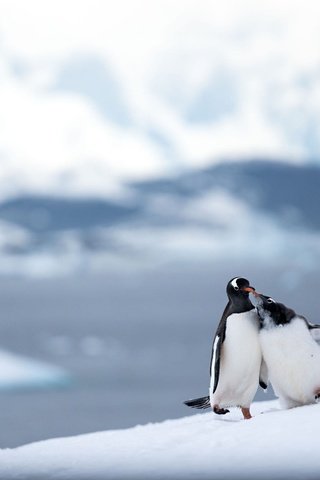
x: 19, y: 372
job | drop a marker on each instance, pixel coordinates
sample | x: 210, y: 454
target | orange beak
x: 249, y: 289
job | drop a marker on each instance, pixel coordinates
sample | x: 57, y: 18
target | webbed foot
x: 220, y: 411
x: 246, y: 413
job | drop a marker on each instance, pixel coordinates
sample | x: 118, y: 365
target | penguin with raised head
x: 291, y: 352
x: 236, y: 365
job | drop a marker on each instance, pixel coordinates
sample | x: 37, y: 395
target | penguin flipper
x: 263, y: 375
x: 314, y: 331
x: 200, y: 403
x: 215, y: 360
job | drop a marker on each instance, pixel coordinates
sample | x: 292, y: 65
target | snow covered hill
x: 209, y: 213
x: 145, y: 100
x: 274, y: 444
x: 105, y: 139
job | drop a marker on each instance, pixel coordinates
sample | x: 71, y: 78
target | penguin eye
x: 270, y: 300
x: 236, y: 288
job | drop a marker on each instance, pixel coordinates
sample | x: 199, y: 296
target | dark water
x: 136, y: 343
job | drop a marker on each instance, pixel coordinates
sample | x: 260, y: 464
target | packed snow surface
x: 276, y: 444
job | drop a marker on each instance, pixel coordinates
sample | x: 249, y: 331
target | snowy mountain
x: 119, y: 125
x: 274, y: 444
x: 289, y: 193
x: 208, y: 212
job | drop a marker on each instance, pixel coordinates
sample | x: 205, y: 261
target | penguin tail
x: 201, y: 403
x: 263, y: 385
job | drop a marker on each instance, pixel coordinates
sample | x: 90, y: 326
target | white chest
x: 240, y: 360
x: 242, y: 334
x: 293, y: 360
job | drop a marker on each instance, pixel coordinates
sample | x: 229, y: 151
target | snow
x: 276, y: 444
x: 19, y: 372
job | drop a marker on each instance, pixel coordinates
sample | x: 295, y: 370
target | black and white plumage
x: 291, y: 352
x: 236, y: 359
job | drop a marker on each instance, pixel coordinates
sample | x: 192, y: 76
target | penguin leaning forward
x: 236, y: 366
x: 291, y: 352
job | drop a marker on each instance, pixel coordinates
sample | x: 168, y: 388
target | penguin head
x: 239, y: 288
x: 272, y: 313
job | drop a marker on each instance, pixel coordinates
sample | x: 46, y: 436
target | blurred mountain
x: 226, y: 205
x: 49, y: 214
x: 291, y: 193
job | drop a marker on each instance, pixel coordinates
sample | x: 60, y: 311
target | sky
x: 96, y: 93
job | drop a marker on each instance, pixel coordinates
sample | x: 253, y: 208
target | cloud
x: 53, y: 141
x: 94, y: 93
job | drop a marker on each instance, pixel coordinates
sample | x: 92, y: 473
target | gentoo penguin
x: 289, y: 347
x: 236, y: 359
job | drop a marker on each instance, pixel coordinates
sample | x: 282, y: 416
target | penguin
x: 236, y: 366
x: 290, y: 349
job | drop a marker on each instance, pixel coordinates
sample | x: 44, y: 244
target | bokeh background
x: 149, y: 151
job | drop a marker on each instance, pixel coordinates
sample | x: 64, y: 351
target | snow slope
x: 274, y: 444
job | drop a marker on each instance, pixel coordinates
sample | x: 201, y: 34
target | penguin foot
x: 220, y: 411
x: 246, y: 413
x: 317, y: 395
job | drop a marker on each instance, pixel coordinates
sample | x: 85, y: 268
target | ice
x: 18, y: 372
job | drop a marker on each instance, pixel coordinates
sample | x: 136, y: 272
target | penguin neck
x: 240, y: 305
